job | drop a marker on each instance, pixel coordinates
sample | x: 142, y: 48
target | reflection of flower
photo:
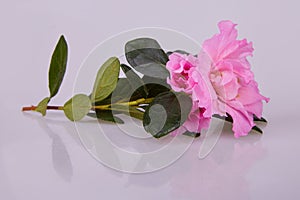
x: 222, y: 175
x: 219, y: 80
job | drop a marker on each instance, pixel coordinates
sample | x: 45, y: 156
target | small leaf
x: 77, y: 107
x: 255, y: 118
x: 177, y: 51
x: 42, y: 106
x: 106, y: 116
x: 257, y: 129
x: 106, y: 80
x: 58, y: 66
x: 146, y: 56
x: 166, y: 113
x: 192, y: 134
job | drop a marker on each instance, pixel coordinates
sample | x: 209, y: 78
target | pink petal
x: 242, y: 121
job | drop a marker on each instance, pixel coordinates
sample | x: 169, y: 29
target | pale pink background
x: 42, y: 159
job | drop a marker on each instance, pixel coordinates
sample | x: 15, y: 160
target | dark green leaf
x: 192, y: 134
x: 135, y: 81
x: 166, y: 113
x: 257, y: 129
x: 123, y: 91
x: 58, y: 66
x: 146, y: 56
x: 106, y: 115
x: 177, y: 51
x: 77, y: 107
x: 42, y: 106
x: 106, y: 80
x: 255, y: 118
x: 155, y: 86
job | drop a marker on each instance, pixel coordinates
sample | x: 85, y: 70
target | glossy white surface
x: 42, y: 158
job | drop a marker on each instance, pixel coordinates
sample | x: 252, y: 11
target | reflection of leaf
x: 106, y: 80
x: 61, y: 159
x: 166, y: 113
x: 58, y: 66
x: 146, y: 56
x: 60, y: 156
x: 77, y: 107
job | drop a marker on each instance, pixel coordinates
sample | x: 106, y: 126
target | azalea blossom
x: 219, y: 81
x: 233, y: 79
x: 185, y: 77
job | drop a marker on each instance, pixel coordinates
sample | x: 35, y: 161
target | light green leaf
x: 106, y: 80
x: 58, y: 66
x: 77, y: 107
x: 42, y: 106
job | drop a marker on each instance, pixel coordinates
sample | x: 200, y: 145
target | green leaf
x: 58, y: 66
x: 42, y: 106
x: 135, y: 81
x: 106, y: 80
x: 192, y: 134
x: 106, y: 115
x: 255, y: 118
x: 155, y: 86
x: 146, y: 56
x: 166, y: 113
x: 257, y: 129
x: 123, y: 91
x: 77, y: 107
x: 177, y: 51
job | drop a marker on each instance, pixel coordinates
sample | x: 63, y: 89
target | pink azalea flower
x: 219, y: 81
x: 186, y: 77
x: 232, y: 78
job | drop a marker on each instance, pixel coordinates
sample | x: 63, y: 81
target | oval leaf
x: 58, y: 66
x: 106, y: 80
x: 146, y: 56
x: 77, y: 107
x: 166, y: 113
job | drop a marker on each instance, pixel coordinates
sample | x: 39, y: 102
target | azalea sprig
x: 177, y: 91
